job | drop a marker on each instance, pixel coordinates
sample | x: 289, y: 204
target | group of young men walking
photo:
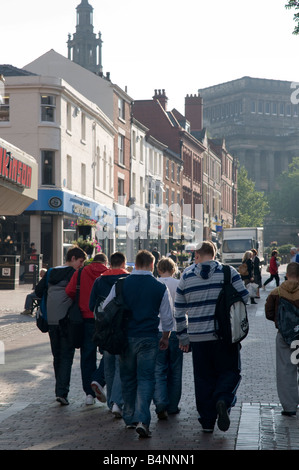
x: 167, y: 318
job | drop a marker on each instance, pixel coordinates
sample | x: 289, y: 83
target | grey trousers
x: 286, y: 375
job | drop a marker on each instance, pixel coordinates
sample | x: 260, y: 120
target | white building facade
x: 72, y: 141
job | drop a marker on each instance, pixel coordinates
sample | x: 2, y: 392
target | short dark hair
x: 206, y: 248
x: 274, y: 252
x: 117, y: 259
x: 166, y: 265
x: 77, y: 252
x: 254, y: 251
x: 101, y: 258
x: 144, y: 259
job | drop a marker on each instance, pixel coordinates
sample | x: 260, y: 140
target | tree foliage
x: 284, y: 202
x: 253, y: 206
x: 294, y: 4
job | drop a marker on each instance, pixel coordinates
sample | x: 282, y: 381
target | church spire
x: 85, y: 48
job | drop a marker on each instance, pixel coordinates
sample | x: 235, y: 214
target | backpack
x: 41, y: 314
x: 111, y: 323
x: 72, y: 324
x: 287, y: 320
x: 243, y: 269
x: 231, y: 321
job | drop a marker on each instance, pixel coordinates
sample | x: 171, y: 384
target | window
x: 120, y: 189
x: 48, y: 106
x: 121, y: 108
x: 69, y: 117
x: 281, y: 109
x: 121, y: 159
x: 260, y: 107
x: 172, y: 171
x: 178, y: 174
x: 274, y: 108
x: 83, y: 127
x: 167, y: 169
x: 4, y: 108
x: 48, y: 167
x: 253, y: 107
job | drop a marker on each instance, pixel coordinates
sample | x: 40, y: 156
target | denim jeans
x: 112, y: 377
x: 216, y: 377
x: 88, y: 356
x: 137, y: 373
x: 63, y: 357
x: 168, y: 375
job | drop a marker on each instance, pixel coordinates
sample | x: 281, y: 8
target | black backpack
x: 231, y: 321
x: 111, y: 323
x: 287, y: 320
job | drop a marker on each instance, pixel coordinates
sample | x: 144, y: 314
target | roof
x: 11, y: 71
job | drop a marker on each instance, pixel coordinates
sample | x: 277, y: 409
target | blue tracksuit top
x: 143, y: 296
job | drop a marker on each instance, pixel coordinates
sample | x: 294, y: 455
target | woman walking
x: 273, y: 269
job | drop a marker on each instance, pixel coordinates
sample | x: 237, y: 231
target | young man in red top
x: 88, y: 352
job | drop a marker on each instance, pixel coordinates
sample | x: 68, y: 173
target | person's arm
x: 166, y: 319
x: 180, y: 316
x: 270, y: 308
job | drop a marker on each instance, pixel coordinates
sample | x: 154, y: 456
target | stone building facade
x: 259, y: 120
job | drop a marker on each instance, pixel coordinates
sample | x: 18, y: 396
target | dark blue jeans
x: 168, y: 375
x: 88, y: 356
x: 63, y: 357
x: 217, y: 376
x: 137, y: 373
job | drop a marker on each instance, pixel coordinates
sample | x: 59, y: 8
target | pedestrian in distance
x: 286, y: 369
x: 88, y: 350
x: 31, y: 297
x: 257, y: 277
x: 273, y: 269
x: 216, y: 365
x: 293, y: 253
x: 100, y: 290
x: 157, y: 256
x: 52, y: 286
x: 169, y: 362
x: 148, y: 300
x: 249, y: 277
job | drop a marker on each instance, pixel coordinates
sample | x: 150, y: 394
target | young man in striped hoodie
x: 216, y: 366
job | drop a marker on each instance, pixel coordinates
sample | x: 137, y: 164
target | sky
x: 179, y: 46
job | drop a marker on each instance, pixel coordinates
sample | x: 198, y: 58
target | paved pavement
x: 31, y: 419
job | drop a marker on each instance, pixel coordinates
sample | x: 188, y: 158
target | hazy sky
x: 179, y: 46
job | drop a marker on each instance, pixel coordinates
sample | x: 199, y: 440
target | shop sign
x: 14, y: 170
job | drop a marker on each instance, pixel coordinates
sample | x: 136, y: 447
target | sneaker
x: 177, y: 411
x: 26, y: 312
x: 99, y: 391
x: 143, y: 430
x: 208, y: 430
x: 223, y: 421
x: 89, y: 400
x: 116, y: 411
x: 162, y: 414
x: 131, y: 426
x: 62, y: 400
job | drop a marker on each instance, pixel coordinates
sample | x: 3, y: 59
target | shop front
x: 64, y: 218
x: 18, y: 189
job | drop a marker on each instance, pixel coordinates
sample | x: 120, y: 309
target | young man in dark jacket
x: 53, y: 286
x: 88, y: 350
x: 286, y: 370
x: 101, y: 288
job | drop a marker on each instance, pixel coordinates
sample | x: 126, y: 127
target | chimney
x: 160, y: 96
x: 194, y: 111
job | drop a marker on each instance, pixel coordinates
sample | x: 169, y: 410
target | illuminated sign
x: 14, y: 170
